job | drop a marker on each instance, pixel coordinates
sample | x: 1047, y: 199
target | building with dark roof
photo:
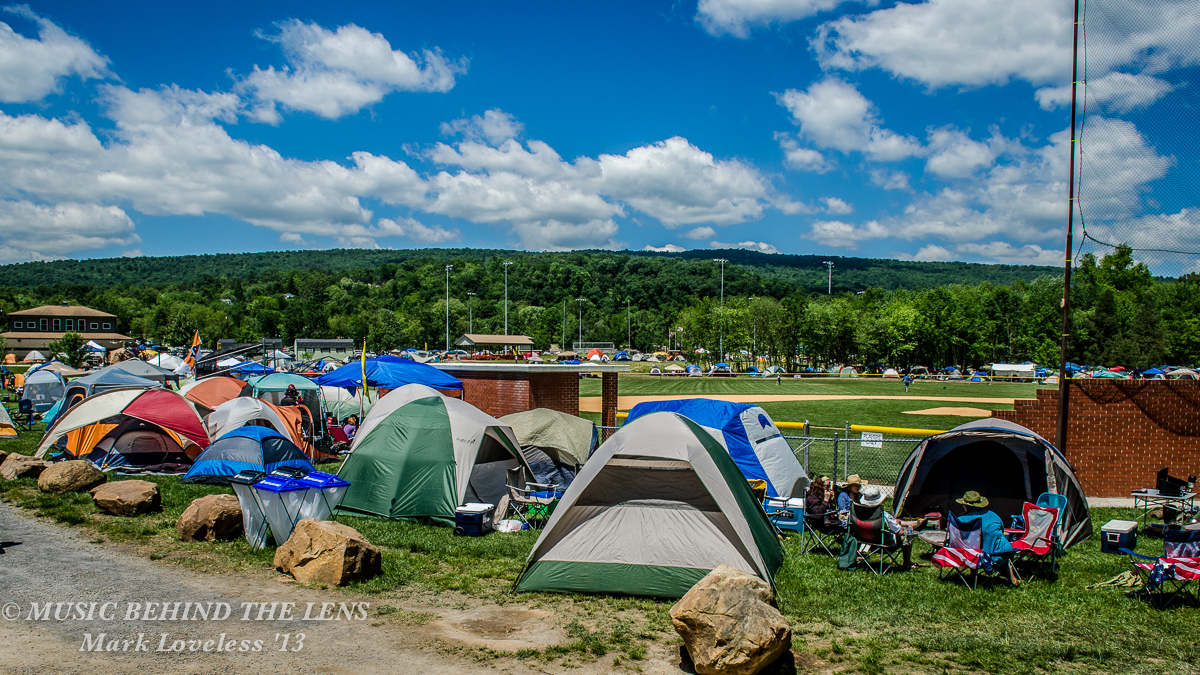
x: 34, y: 329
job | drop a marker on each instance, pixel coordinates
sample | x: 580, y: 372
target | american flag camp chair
x: 1170, y: 578
x: 963, y: 555
x: 878, y: 547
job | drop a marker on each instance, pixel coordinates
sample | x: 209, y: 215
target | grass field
x: 843, y: 621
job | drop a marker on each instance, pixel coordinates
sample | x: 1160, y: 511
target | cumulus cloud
x: 737, y: 17
x: 760, y: 246
x: 832, y: 113
x: 928, y: 253
x: 890, y: 180
x: 700, y: 233
x: 801, y: 158
x: 668, y: 248
x: 30, y: 231
x: 493, y: 127
x: 31, y: 69
x: 955, y: 155
x: 1114, y: 92
x: 835, y: 205
x: 1005, y: 253
x: 339, y: 72
x: 838, y: 234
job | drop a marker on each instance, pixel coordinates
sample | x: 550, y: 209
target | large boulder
x: 127, y: 497
x: 22, y: 466
x: 76, y: 475
x: 729, y: 624
x: 211, y: 518
x: 325, y: 552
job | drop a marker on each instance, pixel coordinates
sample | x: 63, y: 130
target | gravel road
x: 42, y: 563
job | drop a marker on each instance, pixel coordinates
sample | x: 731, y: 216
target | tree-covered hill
x: 794, y: 272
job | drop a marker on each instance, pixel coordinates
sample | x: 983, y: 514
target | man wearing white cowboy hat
x: 873, y: 496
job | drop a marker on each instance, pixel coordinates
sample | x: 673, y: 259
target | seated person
x: 291, y: 396
x: 819, y: 500
x: 873, y: 496
x: 849, y: 495
x: 350, y: 426
x: 993, y: 541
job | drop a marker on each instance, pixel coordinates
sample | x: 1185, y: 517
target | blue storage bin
x: 473, y: 520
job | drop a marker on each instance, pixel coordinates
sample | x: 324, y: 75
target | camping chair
x: 1039, y: 540
x: 527, y: 500
x: 823, y: 535
x: 963, y: 554
x: 878, y: 547
x: 1167, y: 579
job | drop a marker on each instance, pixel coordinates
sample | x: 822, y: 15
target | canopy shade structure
x: 167, y: 361
x: 747, y: 433
x: 341, y: 403
x: 247, y: 448
x: 389, y: 372
x: 281, y: 382
x: 418, y: 455
x: 1001, y: 460
x: 129, y: 427
x: 555, y: 444
x: 248, y: 368
x: 57, y: 367
x: 658, y: 506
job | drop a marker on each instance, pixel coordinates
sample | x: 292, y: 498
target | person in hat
x: 291, y: 396
x: 849, y: 493
x: 993, y: 541
x: 873, y: 496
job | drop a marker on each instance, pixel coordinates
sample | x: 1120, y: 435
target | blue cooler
x: 1118, y: 534
x: 473, y: 520
x: 786, y: 514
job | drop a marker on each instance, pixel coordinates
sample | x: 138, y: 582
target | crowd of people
x: 833, y: 508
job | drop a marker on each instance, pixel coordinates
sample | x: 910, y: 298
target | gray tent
x: 657, y: 507
x: 554, y: 443
x: 1003, y: 461
x: 143, y: 369
x: 106, y: 380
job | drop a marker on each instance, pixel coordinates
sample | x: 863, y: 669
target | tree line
x: 1121, y: 313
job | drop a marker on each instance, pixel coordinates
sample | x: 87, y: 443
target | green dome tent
x: 554, y: 443
x: 657, y: 507
x: 419, y: 455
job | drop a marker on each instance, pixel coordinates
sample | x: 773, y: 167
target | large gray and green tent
x: 418, y: 455
x: 658, y: 506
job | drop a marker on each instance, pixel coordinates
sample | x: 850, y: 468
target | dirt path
x: 42, y: 563
x: 592, y: 403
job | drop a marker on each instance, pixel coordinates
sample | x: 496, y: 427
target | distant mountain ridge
x: 806, y: 272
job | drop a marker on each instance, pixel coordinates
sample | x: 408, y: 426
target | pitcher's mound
x: 957, y: 412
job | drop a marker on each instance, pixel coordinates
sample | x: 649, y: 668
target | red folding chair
x: 1038, y: 542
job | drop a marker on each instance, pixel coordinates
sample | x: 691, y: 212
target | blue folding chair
x: 963, y: 555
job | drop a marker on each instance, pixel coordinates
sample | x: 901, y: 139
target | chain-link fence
x: 875, y: 458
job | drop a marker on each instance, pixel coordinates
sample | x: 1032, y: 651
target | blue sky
x: 933, y: 130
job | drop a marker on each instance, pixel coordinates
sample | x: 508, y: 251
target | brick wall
x: 1120, y: 433
x: 499, y: 394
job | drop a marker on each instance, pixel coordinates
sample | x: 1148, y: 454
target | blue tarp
x: 257, y: 448
x: 1154, y: 371
x: 768, y: 457
x: 390, y: 372
x: 251, y: 368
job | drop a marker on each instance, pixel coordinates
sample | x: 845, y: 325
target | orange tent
x: 10, y: 359
x: 212, y: 392
x: 595, y: 352
x: 300, y: 425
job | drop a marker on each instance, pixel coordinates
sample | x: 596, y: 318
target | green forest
x: 895, y: 312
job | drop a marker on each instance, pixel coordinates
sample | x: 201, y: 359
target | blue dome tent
x: 256, y: 448
x: 389, y: 372
x: 747, y: 433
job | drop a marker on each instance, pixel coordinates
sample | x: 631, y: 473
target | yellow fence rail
x: 897, y: 431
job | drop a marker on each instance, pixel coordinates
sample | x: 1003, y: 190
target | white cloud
x: 31, y: 231
x: 890, y: 180
x: 553, y: 235
x: 929, y: 253
x: 31, y: 69
x: 956, y: 155
x: 1116, y: 92
x: 132, y: 253
x: 838, y: 234
x: 801, y: 159
x: 418, y: 231
x: 833, y: 114
x: 737, y: 17
x: 980, y: 42
x: 837, y: 206
x: 668, y: 248
x: 760, y: 246
x: 335, y: 73
x: 700, y: 233
x: 1007, y: 254
x: 494, y: 127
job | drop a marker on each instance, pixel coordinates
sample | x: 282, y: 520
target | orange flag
x: 193, y: 352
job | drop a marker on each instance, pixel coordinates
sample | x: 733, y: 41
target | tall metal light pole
x: 721, y: 343
x: 506, y: 264
x: 564, y: 327
x: 753, y: 331
x: 830, y: 264
x: 628, y: 327
x: 1064, y: 384
x: 448, y: 268
x: 581, y: 301
x: 471, y: 311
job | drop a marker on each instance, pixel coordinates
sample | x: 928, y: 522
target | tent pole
x: 1064, y: 388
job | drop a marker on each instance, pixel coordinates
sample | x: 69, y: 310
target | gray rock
x: 22, y: 466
